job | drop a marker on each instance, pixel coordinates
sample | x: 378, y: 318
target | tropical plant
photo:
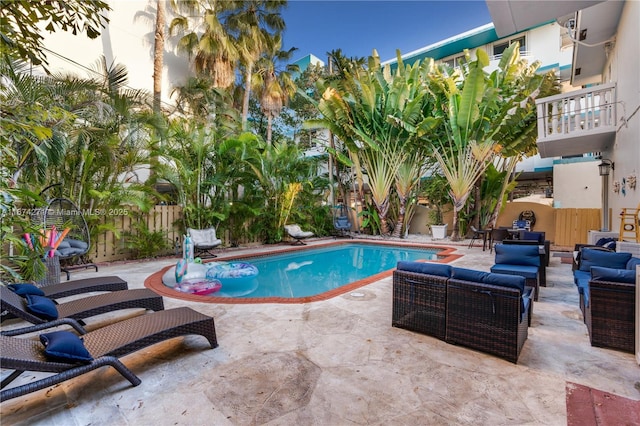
x: 255, y: 27
x: 205, y: 38
x: 379, y: 116
x: 274, y: 86
x: 22, y: 24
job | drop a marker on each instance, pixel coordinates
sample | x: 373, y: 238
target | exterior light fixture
x: 605, y: 167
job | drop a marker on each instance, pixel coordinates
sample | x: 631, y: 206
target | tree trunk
x: 158, y: 55
x: 247, y: 94
x: 269, y: 123
x: 400, y: 223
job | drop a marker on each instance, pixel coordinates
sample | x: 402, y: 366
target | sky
x: 357, y: 27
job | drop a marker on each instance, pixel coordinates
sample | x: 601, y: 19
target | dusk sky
x: 357, y: 27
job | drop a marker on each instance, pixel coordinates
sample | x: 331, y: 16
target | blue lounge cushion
x: 515, y: 254
x: 437, y: 269
x: 64, y: 244
x: 468, y: 274
x: 78, y: 244
x: 23, y: 289
x: 64, y: 346
x: 598, y: 273
x: 526, y: 271
x: 583, y: 285
x: 593, y: 257
x: 505, y: 280
x: 42, y: 307
x: 633, y: 262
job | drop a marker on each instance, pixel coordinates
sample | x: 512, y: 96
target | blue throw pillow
x: 515, y: 254
x: 64, y: 346
x: 24, y: 288
x: 505, y: 280
x: 632, y: 263
x: 593, y: 257
x: 437, y: 269
x: 599, y: 273
x: 468, y: 275
x: 42, y: 307
x: 537, y: 236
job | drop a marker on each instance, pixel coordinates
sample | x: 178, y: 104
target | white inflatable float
x: 233, y: 278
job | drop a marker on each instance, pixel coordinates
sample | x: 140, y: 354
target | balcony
x: 576, y: 123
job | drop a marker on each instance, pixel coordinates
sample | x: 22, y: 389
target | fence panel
x: 573, y: 225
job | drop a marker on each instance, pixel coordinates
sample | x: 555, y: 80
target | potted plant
x: 437, y: 191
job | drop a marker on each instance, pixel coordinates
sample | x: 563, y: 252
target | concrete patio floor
x: 337, y: 362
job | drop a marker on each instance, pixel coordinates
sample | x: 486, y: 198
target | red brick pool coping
x: 154, y: 281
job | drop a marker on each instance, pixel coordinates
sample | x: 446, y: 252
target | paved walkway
x: 338, y: 362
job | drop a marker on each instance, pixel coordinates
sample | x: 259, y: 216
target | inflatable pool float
x: 231, y: 270
x: 200, y: 287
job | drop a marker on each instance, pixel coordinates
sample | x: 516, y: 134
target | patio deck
x: 338, y: 362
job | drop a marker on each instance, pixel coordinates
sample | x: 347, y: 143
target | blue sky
x: 357, y: 27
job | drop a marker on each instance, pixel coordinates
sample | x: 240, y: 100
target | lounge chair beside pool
x: 39, y: 309
x: 104, y: 346
x: 204, y: 240
x: 297, y: 234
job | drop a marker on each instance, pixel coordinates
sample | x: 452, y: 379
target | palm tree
x: 204, y: 38
x: 158, y: 55
x: 274, y: 87
x: 253, y: 25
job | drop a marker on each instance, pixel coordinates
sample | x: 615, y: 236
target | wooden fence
x: 573, y: 225
x: 568, y: 227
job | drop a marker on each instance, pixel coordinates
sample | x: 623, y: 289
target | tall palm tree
x: 254, y: 25
x: 158, y: 55
x: 274, y: 86
x: 204, y: 37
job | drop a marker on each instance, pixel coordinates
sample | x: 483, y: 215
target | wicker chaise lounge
x: 72, y: 312
x: 52, y: 287
x: 105, y: 345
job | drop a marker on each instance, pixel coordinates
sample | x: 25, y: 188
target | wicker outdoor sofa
x: 483, y: 311
x: 607, y: 284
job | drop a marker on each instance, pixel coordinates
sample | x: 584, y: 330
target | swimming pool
x: 312, y: 273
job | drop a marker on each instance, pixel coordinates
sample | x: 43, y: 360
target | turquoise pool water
x: 314, y: 271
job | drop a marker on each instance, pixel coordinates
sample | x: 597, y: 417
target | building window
x: 501, y: 46
x: 454, y: 61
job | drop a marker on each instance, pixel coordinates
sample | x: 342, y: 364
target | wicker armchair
x: 486, y: 317
x: 610, y: 315
x: 419, y: 302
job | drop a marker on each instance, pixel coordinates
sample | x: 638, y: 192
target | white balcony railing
x: 574, y: 113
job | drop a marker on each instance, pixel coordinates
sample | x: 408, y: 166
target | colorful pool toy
x: 231, y: 270
x: 200, y: 287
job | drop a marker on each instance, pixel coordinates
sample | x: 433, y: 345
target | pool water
x: 314, y: 271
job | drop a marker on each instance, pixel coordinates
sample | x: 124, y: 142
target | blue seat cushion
x: 633, y: 262
x: 523, y: 270
x: 599, y: 273
x: 580, y: 275
x: 64, y: 346
x: 583, y: 284
x: 437, y: 269
x: 505, y: 280
x: 42, y: 307
x: 23, y: 289
x: 468, y: 275
x: 515, y: 254
x: 593, y: 257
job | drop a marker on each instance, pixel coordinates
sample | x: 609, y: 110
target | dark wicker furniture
x: 610, y: 315
x: 488, y: 318
x: 419, y: 303
x: 72, y: 312
x: 54, y: 289
x: 105, y: 344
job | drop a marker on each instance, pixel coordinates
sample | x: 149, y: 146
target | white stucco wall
x: 623, y: 68
x: 577, y: 185
x: 129, y: 40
